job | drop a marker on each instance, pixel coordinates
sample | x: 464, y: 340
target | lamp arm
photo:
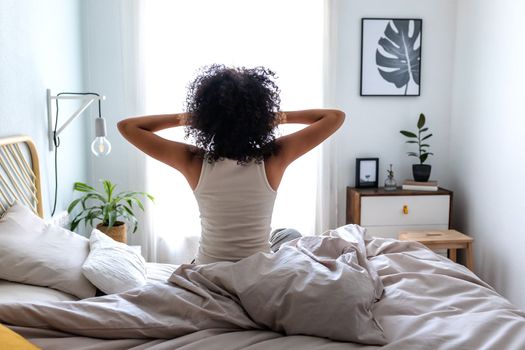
x: 88, y: 97
x: 74, y: 115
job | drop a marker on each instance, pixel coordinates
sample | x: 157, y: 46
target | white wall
x: 487, y: 139
x: 373, y: 123
x: 472, y: 87
x: 40, y: 48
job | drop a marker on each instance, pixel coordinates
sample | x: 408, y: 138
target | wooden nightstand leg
x: 470, y: 257
x: 452, y: 254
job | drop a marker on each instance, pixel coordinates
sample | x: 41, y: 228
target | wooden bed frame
x: 20, y: 174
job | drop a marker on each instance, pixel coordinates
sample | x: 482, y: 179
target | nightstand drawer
x: 420, y: 210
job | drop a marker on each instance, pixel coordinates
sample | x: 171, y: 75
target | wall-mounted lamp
x: 100, y: 145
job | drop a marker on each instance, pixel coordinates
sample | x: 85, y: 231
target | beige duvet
x: 324, y: 287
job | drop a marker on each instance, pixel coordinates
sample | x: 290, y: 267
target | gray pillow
x: 40, y: 254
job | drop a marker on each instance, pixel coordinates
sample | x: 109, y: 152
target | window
x: 181, y: 36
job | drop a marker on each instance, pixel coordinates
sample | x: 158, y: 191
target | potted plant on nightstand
x: 112, y: 210
x: 420, y: 171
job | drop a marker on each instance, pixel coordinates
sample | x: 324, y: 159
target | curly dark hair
x: 233, y: 113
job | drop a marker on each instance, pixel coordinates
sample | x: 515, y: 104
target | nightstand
x: 387, y: 213
x: 445, y: 239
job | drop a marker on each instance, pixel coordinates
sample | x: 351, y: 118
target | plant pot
x: 421, y: 172
x: 117, y: 232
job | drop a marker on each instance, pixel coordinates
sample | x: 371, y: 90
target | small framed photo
x: 366, y: 170
x: 391, y: 56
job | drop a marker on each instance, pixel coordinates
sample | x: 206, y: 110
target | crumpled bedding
x: 317, y: 286
x: 428, y: 302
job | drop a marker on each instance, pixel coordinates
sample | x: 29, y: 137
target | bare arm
x: 321, y: 124
x: 140, y: 131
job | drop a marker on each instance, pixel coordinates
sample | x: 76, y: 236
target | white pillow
x: 33, y: 252
x: 112, y: 266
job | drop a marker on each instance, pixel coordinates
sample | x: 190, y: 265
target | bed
x: 334, y: 291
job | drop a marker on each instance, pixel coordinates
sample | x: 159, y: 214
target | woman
x: 237, y: 163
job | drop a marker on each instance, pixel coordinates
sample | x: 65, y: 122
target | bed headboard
x: 19, y: 174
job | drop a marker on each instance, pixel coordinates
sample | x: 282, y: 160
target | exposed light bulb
x: 100, y: 146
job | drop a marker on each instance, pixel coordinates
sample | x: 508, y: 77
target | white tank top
x: 236, y: 205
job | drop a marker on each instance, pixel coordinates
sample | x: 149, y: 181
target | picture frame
x: 391, y: 56
x: 366, y: 172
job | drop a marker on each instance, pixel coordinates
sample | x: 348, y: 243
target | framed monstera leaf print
x: 391, y: 56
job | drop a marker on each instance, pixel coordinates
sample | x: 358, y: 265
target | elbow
x: 339, y: 116
x: 123, y: 127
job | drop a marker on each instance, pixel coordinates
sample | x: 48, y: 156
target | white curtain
x: 132, y: 65
x: 328, y: 189
x: 178, y: 37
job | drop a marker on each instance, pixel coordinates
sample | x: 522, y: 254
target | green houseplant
x: 110, y: 208
x: 420, y: 171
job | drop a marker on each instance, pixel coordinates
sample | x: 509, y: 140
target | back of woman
x: 237, y: 162
x: 236, y: 205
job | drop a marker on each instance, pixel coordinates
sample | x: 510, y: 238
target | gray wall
x: 40, y: 48
x: 487, y: 139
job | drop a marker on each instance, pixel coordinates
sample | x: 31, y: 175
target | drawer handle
x: 405, y: 209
